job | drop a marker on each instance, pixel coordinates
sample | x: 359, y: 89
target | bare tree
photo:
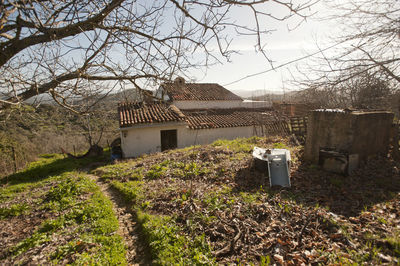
x: 77, y: 48
x: 367, y: 52
x: 362, y: 91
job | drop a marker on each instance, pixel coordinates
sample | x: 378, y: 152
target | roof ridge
x: 199, y: 92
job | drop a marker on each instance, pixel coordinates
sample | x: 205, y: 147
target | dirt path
x: 128, y: 228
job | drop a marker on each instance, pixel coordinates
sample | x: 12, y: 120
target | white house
x: 188, y: 114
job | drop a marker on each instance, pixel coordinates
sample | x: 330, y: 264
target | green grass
x: 7, y: 193
x: 92, y: 220
x: 188, y: 170
x: 14, y: 210
x: 218, y: 200
x: 120, y: 171
x: 36, y: 239
x: 394, y: 242
x: 130, y: 190
x: 158, y: 170
x: 79, y: 208
x: 49, y: 165
x: 177, y: 240
x: 238, y: 145
x: 168, y: 246
x: 280, y: 145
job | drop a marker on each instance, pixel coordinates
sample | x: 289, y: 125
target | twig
x: 300, y: 236
x: 231, y: 246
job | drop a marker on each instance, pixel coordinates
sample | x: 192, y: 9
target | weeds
x: 14, y: 210
x: 394, y: 243
x: 120, y: 172
x: 47, y: 167
x: 280, y: 145
x: 237, y: 145
x: 130, y: 190
x: 82, y: 212
x: 158, y: 170
x: 168, y: 246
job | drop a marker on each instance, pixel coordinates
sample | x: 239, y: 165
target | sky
x: 283, y: 45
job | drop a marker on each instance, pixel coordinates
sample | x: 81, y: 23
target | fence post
x: 14, y: 159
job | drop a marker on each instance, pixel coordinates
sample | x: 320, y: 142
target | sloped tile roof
x: 219, y: 118
x: 198, y: 92
x: 139, y: 113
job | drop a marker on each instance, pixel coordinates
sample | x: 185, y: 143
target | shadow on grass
x: 249, y: 180
x: 376, y: 181
x: 51, y: 165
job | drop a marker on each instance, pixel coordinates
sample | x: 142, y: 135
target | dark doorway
x: 168, y: 139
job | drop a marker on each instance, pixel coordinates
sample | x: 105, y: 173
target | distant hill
x: 263, y: 95
x: 248, y: 94
x: 268, y: 97
x: 130, y: 95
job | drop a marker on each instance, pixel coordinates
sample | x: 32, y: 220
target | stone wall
x: 357, y: 132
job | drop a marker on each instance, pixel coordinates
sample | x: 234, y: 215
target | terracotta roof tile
x: 219, y: 118
x: 138, y: 113
x: 199, y: 92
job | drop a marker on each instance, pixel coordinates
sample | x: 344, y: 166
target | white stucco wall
x: 141, y: 140
x: 184, y: 105
x: 256, y: 104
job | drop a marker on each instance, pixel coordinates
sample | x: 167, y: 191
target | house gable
x: 182, y: 91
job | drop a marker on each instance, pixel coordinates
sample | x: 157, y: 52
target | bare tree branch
x: 79, y: 48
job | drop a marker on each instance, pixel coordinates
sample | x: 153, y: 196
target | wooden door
x: 169, y: 139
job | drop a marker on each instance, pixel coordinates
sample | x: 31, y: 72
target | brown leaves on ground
x: 15, y: 229
x: 322, y: 218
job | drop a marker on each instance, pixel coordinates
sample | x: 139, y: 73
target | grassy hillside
x: 201, y: 205
x: 51, y: 213
x: 208, y: 205
x: 47, y: 129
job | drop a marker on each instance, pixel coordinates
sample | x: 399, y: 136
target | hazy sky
x: 283, y: 45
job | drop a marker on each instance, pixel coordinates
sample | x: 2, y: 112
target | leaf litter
x: 323, y: 218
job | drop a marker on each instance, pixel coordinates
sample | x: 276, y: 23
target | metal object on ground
x: 333, y: 161
x: 276, y: 162
x: 338, y: 162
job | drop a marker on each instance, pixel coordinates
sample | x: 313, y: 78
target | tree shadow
x: 249, y: 179
x: 52, y: 165
x: 376, y: 181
